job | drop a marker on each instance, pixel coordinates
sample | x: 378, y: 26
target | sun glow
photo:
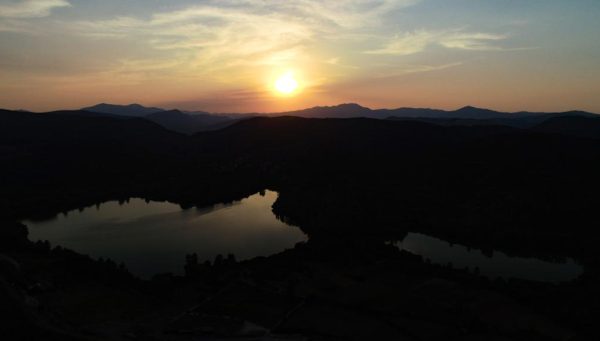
x: 286, y: 84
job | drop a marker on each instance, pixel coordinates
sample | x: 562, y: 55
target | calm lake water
x: 154, y: 237
x: 492, y: 266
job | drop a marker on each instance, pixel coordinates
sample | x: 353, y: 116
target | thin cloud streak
x: 417, y: 41
x: 30, y: 8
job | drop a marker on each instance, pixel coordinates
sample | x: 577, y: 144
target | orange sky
x: 224, y: 56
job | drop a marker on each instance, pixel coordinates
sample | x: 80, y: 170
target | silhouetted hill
x: 471, y: 116
x: 475, y: 113
x: 307, y: 127
x: 467, y: 115
x: 71, y: 147
x: 424, y: 166
x: 178, y: 121
x: 515, y: 122
x: 298, y: 138
x: 472, y: 113
x: 351, y: 184
x: 580, y: 126
x: 71, y: 157
x: 174, y: 120
x: 347, y: 110
x: 456, y: 121
x: 340, y: 175
x: 77, y: 126
x: 134, y: 110
x: 193, y: 122
x: 413, y: 113
x: 354, y: 110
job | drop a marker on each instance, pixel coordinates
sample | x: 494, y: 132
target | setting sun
x: 286, y: 84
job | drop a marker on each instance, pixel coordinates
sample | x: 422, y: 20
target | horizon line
x: 295, y: 110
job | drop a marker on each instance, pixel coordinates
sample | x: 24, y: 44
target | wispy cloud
x: 302, y: 16
x: 30, y: 8
x: 16, y: 25
x: 417, y: 41
x: 472, y: 41
x: 237, y: 32
x: 421, y: 68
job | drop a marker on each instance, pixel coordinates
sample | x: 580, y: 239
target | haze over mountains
x: 192, y: 122
x: 573, y: 123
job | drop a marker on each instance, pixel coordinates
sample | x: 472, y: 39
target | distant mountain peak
x: 471, y: 108
x: 351, y: 106
x: 342, y: 106
x: 345, y: 110
x: 134, y: 109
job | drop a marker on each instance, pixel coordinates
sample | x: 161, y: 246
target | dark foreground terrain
x: 351, y: 185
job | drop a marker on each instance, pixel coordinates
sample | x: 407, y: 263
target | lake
x: 154, y: 237
x: 494, y: 265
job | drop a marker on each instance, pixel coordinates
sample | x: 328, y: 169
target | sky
x: 226, y: 55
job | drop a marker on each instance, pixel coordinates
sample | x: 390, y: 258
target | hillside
x: 580, y: 126
x: 178, y: 121
x: 189, y: 122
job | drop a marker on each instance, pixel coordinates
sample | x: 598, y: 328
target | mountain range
x: 132, y: 110
x: 189, y: 122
